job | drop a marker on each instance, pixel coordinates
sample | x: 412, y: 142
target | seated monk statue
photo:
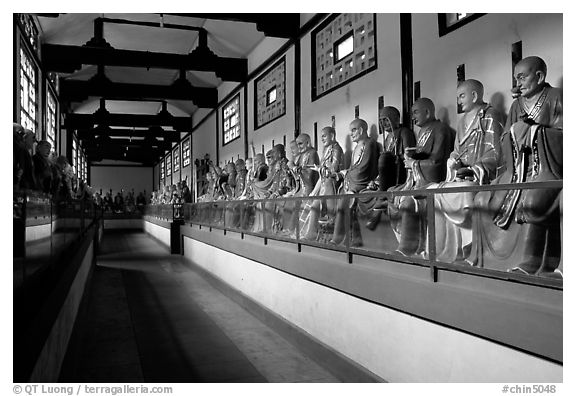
x: 519, y: 230
x: 473, y: 162
x: 240, y: 183
x: 363, y: 169
x: 426, y: 163
x: 391, y: 169
x: 228, y: 180
x: 283, y: 184
x: 261, y: 189
x: 330, y: 165
x: 260, y: 172
x: 295, y: 154
x: 306, y: 175
x: 306, y: 165
x: 43, y: 167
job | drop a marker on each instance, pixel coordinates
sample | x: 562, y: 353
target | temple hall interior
x: 288, y: 198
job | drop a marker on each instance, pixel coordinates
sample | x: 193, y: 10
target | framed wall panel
x: 169, y: 164
x: 176, y: 158
x: 231, y: 122
x: 343, y: 49
x: 186, y: 152
x: 270, y: 94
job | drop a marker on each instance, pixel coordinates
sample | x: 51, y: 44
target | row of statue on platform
x: 511, y: 229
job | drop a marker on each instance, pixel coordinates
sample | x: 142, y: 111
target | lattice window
x: 51, y: 119
x: 176, y: 158
x: 343, y: 49
x: 162, y: 170
x: 168, y: 165
x: 30, y: 29
x: 231, y: 120
x: 84, y: 168
x: 270, y: 94
x: 28, y: 90
x: 74, y: 154
x: 186, y: 153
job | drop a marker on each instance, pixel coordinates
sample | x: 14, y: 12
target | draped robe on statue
x: 278, y: 182
x: 477, y: 147
x: 330, y: 164
x: 520, y: 229
x: 364, y: 168
x: 407, y: 213
x: 306, y: 179
x: 391, y: 169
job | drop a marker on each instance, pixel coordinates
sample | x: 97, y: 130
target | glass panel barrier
x: 481, y: 229
x: 44, y: 231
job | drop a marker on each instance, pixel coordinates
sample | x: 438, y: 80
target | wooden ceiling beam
x: 68, y: 59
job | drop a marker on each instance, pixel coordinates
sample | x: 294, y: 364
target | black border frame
x: 444, y: 29
x: 313, y: 58
x: 237, y: 96
x: 257, y: 80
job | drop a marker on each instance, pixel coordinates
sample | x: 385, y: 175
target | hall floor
x: 151, y: 317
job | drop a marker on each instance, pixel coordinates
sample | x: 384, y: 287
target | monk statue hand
x: 372, y: 185
x: 464, y: 172
x: 454, y: 163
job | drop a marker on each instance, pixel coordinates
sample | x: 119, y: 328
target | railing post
x: 347, y: 227
x: 297, y: 207
x: 431, y: 227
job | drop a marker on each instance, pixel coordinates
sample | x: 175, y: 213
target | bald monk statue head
x: 328, y: 135
x: 470, y: 95
x: 304, y: 143
x: 358, y: 130
x: 530, y: 75
x: 423, y: 111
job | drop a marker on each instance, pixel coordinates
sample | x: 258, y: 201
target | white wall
x: 386, y: 80
x: 156, y: 178
x: 395, y: 346
x: 160, y: 233
x: 484, y: 46
x: 204, y: 140
x: 121, y: 177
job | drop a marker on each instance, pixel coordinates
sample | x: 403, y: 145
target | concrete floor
x: 152, y: 318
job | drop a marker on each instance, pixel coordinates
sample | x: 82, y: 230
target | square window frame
x: 337, y: 58
x: 444, y: 29
x: 273, y: 89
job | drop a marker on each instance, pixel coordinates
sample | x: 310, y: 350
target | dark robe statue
x: 407, y: 213
x: 363, y: 170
